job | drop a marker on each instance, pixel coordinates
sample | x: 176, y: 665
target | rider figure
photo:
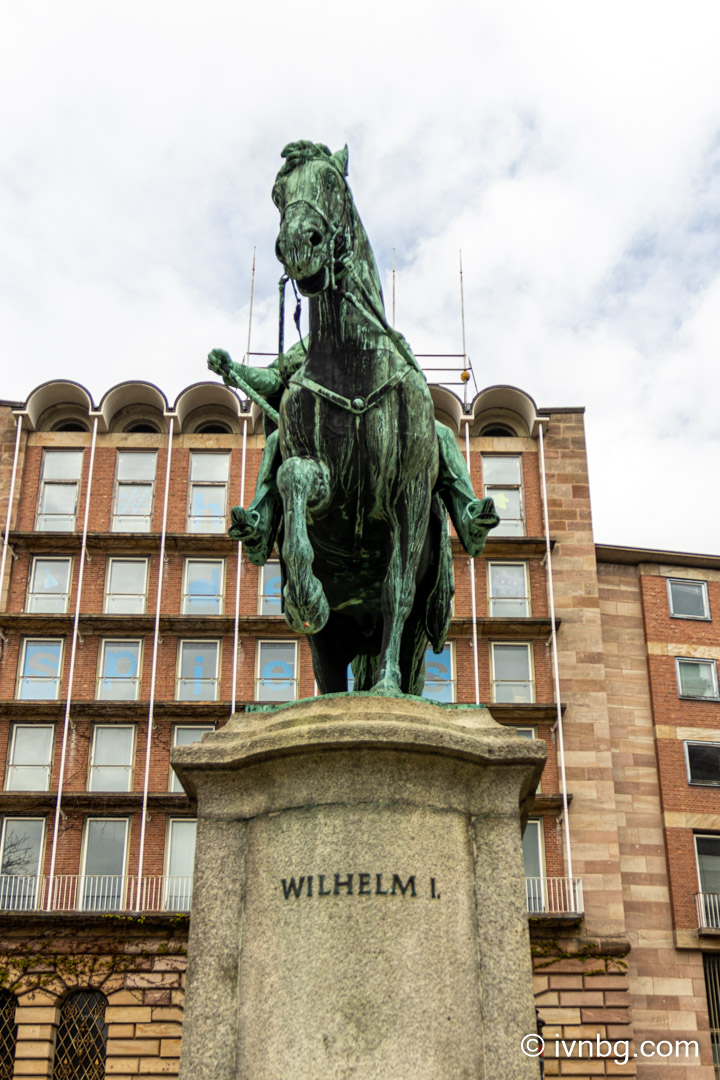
x: 257, y: 526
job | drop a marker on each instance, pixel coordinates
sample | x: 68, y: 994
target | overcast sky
x: 571, y: 149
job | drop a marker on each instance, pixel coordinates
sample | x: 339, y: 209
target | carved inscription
x: 310, y: 886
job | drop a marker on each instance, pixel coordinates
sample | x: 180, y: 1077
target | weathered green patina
x: 356, y: 475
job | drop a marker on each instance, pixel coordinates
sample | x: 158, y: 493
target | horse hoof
x: 387, y: 688
x: 309, y: 616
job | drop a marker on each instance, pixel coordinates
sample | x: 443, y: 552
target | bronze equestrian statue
x: 356, y: 475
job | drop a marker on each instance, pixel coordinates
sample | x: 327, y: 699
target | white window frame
x: 21, y: 665
x: 520, y: 488
x: 93, y: 769
x: 453, y: 669
x: 101, y: 677
x: 178, y: 676
x: 108, y: 574
x: 174, y: 784
x: 55, y: 482
x: 11, y: 766
x: 166, y: 865
x: 221, y: 596
x: 118, y: 483
x: 30, y: 592
x: 531, y: 669
x: 296, y: 678
x: 490, y: 597
x: 189, y: 516
x: 24, y: 905
x: 83, y: 876
x: 262, y: 594
x: 696, y: 660
x: 711, y: 900
x: 704, y: 591
x: 687, y: 743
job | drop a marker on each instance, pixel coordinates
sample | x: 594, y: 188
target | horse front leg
x: 408, y: 528
x: 304, y: 485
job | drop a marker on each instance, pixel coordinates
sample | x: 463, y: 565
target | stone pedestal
x: 359, y: 905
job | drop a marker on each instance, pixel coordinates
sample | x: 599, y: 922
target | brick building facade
x: 131, y: 622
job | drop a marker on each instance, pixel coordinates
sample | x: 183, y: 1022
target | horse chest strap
x: 357, y: 405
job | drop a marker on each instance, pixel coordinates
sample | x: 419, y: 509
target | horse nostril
x: 315, y: 238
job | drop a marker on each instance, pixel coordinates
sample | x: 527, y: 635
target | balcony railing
x: 554, y: 896
x: 95, y: 893
x: 708, y: 910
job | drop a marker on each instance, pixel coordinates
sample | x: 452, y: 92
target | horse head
x: 317, y: 214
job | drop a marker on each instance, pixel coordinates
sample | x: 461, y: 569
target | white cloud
x: 570, y: 150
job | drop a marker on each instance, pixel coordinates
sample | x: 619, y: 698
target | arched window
x: 81, y: 1042
x: 496, y: 430
x: 8, y: 1034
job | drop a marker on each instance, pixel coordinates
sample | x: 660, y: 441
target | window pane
x: 276, y: 679
x: 58, y: 499
x: 697, y: 678
x: 213, y: 467
x: 62, y: 464
x: 113, y: 746
x: 29, y: 766
x: 501, y: 470
x: 507, y: 504
x: 119, y: 680
x: 439, y: 676
x: 198, y: 670
x: 21, y: 846
x: 181, y: 861
x: 134, y: 500
x: 202, y: 588
x: 511, y: 661
x: 703, y: 763
x: 136, y: 466
x: 103, y: 884
x: 126, y: 588
x: 270, y: 588
x: 688, y: 598
x: 49, y: 586
x: 40, y: 677
x: 532, y: 857
x: 207, y: 502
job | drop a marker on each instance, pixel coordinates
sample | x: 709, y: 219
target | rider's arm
x: 265, y: 380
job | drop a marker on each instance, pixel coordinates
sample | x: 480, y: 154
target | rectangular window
x: 111, y: 758
x: 688, y: 599
x: 119, y: 675
x: 440, y: 675
x: 40, y: 668
x: 134, y: 491
x: 198, y: 670
x: 185, y: 736
x: 180, y: 864
x: 508, y: 591
x: 48, y: 586
x: 203, y: 583
x: 276, y: 678
x: 270, y: 588
x: 703, y: 763
x: 535, y: 885
x: 697, y: 679
x: 502, y: 481
x: 126, y: 586
x: 512, y: 679
x: 59, y: 488
x: 102, y: 882
x: 207, y: 498
x: 29, y: 757
x: 22, y: 848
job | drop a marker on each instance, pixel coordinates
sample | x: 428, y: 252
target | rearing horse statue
x: 352, y: 480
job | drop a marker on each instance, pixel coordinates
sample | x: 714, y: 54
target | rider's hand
x: 219, y: 361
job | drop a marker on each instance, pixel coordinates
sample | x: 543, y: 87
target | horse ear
x: 340, y: 157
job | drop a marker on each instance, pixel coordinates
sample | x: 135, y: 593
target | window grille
x: 711, y: 963
x: 81, y: 1043
x: 8, y: 1034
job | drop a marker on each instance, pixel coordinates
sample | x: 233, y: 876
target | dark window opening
x: 70, y: 425
x: 142, y: 429
x: 82, y: 1034
x: 8, y: 1034
x: 498, y: 430
x: 213, y: 429
x: 703, y: 763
